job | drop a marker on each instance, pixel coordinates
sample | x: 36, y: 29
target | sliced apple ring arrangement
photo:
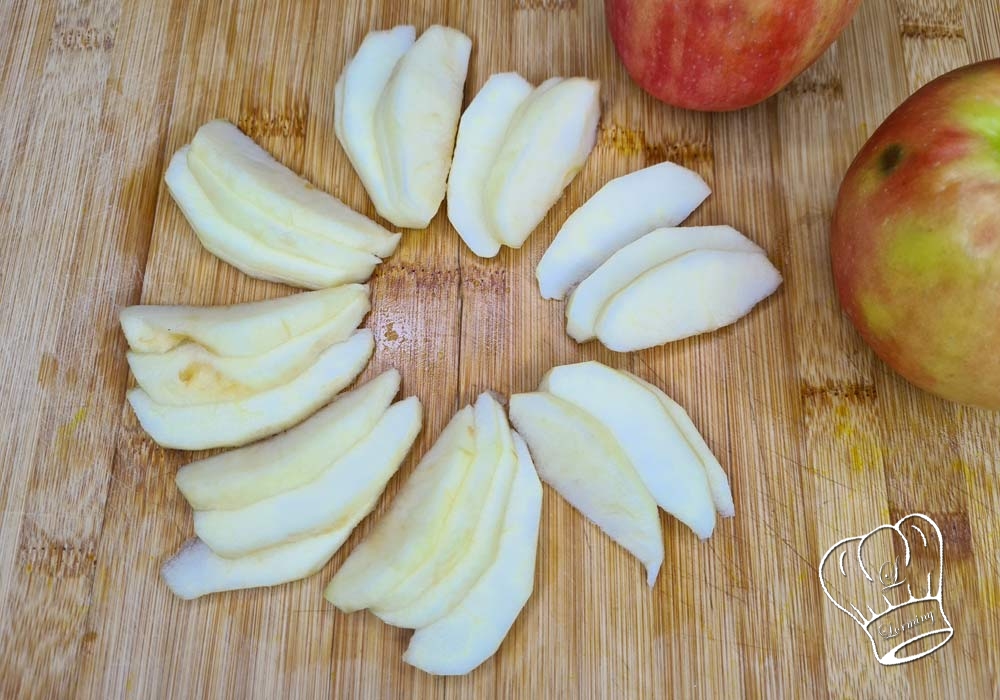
x: 616, y: 447
x: 637, y: 281
x: 454, y: 557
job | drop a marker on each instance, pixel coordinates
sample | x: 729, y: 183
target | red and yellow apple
x: 915, y: 243
x: 718, y: 55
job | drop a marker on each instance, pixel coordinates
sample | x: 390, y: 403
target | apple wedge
x: 465, y: 567
x: 239, y: 330
x: 189, y: 374
x: 474, y: 629
x: 416, y: 119
x: 718, y: 482
x: 617, y: 214
x: 233, y: 423
x: 260, y: 181
x: 238, y: 478
x: 458, y: 523
x: 404, y: 535
x: 546, y: 145
x: 656, y: 448
x: 695, y: 293
x: 356, y: 96
x: 270, y: 231
x: 480, y: 137
x: 196, y: 570
x: 580, y: 459
x: 239, y: 248
x: 655, y: 248
x: 334, y: 498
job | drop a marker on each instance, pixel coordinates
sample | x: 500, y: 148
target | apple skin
x: 915, y: 240
x: 721, y: 55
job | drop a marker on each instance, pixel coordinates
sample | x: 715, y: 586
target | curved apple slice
x: 330, y: 500
x: 661, y: 456
x: 238, y: 330
x: 239, y: 248
x: 271, y: 232
x: 416, y: 119
x: 580, y: 459
x: 549, y: 139
x: 196, y: 570
x: 356, y: 95
x: 480, y: 137
x: 718, y: 482
x: 655, y: 248
x: 617, y: 214
x: 406, y: 533
x: 452, y: 583
x: 189, y: 374
x: 251, y: 172
x: 694, y: 293
x: 238, y: 478
x: 473, y: 630
x: 459, y: 521
x: 232, y: 423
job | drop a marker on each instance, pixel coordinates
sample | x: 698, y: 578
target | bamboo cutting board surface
x: 820, y: 440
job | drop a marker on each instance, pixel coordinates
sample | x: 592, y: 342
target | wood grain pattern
x: 820, y: 439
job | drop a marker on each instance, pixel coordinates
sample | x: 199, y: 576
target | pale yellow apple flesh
x: 416, y: 119
x: 656, y: 448
x: 546, y: 145
x: 619, y: 213
x: 233, y: 423
x: 263, y: 182
x: 474, y: 629
x: 189, y: 374
x: 238, y: 478
x: 655, y: 248
x: 480, y: 136
x: 357, y: 94
x: 239, y: 330
x: 694, y: 293
x: 332, y: 500
x: 458, y: 521
x: 580, y: 459
x: 404, y: 535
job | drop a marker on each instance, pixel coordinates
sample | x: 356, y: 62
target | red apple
x: 718, y: 55
x: 915, y: 243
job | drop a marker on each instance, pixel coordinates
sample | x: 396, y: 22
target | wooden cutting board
x: 820, y: 439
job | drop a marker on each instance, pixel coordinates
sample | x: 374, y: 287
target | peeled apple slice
x: 404, y: 535
x: 546, y: 145
x: 695, y: 293
x: 256, y: 177
x: 655, y: 248
x: 656, y: 448
x: 474, y: 629
x: 336, y: 497
x: 618, y: 214
x: 449, y: 588
x: 232, y: 423
x: 189, y: 374
x: 239, y: 330
x: 480, y: 137
x: 718, y: 482
x: 238, y: 478
x: 196, y: 570
x: 416, y: 119
x: 357, y: 93
x: 240, y: 249
x: 580, y: 459
x: 459, y: 520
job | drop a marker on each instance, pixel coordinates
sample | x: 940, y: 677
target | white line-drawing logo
x: 890, y: 581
